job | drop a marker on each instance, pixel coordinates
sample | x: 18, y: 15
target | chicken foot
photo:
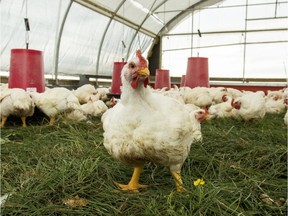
x: 178, y: 181
x: 133, y: 185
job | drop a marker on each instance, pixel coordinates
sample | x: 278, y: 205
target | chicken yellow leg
x: 4, y: 119
x: 23, y: 118
x: 178, y: 181
x: 52, y: 120
x: 133, y: 185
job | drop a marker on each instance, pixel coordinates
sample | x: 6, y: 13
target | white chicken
x: 279, y: 94
x: 221, y: 110
x: 84, y: 92
x: 102, y: 92
x: 112, y: 102
x: 200, y: 96
x: 76, y: 115
x: 217, y: 94
x: 275, y: 104
x: 15, y: 102
x: 197, y: 117
x: 140, y: 129
x: 250, y: 106
x: 94, y: 108
x: 56, y: 101
x: 235, y: 93
x: 173, y: 93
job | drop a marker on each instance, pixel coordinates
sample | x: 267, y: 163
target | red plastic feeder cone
x: 26, y: 70
x: 197, y: 72
x: 182, y: 83
x: 162, y: 79
x: 116, y: 77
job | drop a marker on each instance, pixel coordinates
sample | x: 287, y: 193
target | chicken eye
x: 132, y: 66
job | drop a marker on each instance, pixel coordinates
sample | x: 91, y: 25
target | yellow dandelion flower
x: 199, y: 181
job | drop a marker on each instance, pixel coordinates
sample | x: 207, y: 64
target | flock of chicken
x: 88, y: 101
x: 78, y: 105
x: 145, y: 125
x: 232, y: 103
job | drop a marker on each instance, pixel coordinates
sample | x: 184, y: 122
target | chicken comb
x: 142, y: 60
x: 205, y: 108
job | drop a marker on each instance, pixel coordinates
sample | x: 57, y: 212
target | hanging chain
x: 26, y: 21
x: 123, y: 34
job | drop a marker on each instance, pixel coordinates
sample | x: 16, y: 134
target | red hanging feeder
x: 116, y: 78
x: 162, y: 79
x: 197, y: 72
x: 26, y: 70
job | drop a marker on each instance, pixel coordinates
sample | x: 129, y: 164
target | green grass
x: 44, y: 165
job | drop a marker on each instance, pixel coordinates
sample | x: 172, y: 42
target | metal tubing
x: 59, y: 41
x: 104, y: 35
x: 140, y: 26
x: 245, y: 40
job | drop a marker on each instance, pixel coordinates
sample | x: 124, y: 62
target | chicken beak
x: 144, y: 72
x: 207, y: 116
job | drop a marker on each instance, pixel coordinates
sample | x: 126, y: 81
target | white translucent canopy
x: 239, y: 40
x: 86, y: 36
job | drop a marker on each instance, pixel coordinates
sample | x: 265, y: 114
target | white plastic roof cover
x: 84, y: 36
x: 80, y: 40
x: 87, y: 36
x: 257, y: 48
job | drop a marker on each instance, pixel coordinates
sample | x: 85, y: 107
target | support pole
x: 245, y: 40
x: 59, y: 41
